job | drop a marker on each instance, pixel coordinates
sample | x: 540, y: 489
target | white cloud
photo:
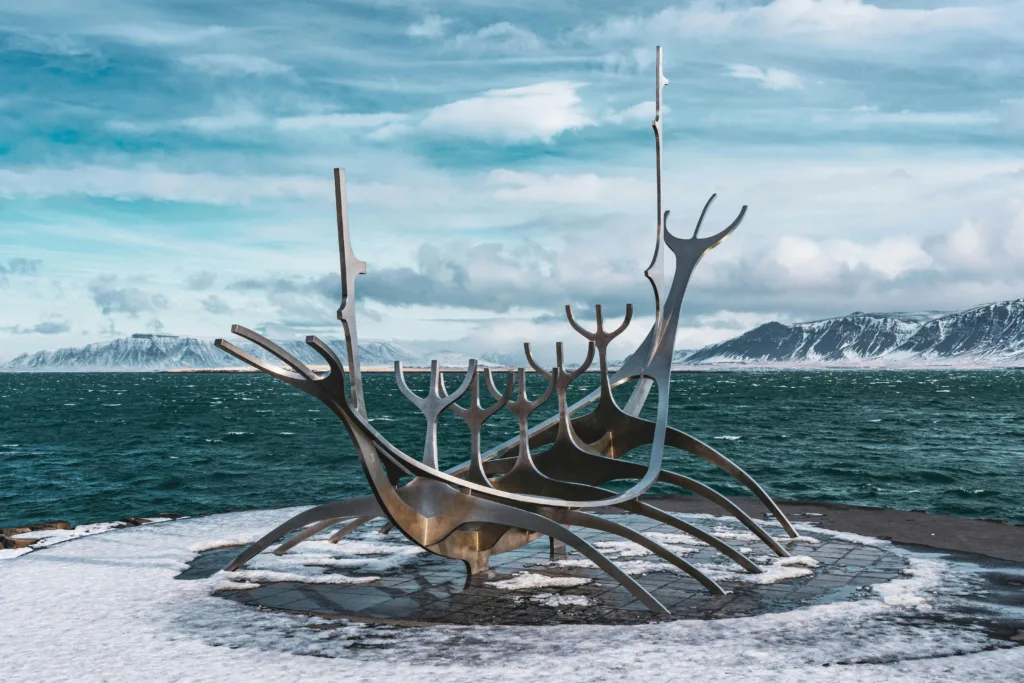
x: 501, y: 37
x: 235, y: 119
x: 698, y: 331
x: 229, y: 64
x: 148, y: 182
x: 533, y: 112
x: 806, y: 261
x: 872, y: 115
x: 586, y: 189
x: 158, y: 34
x: 637, y: 60
x: 388, y: 131
x: 837, y: 17
x: 432, y: 26
x: 515, y: 115
x: 316, y: 121
x: 772, y: 79
x: 982, y: 246
x: 840, y: 22
x: 643, y: 111
x: 219, y: 123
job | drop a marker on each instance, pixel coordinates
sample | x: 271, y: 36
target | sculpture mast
x: 350, y: 268
x: 655, y: 272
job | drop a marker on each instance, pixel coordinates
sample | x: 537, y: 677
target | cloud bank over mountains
x: 168, y: 168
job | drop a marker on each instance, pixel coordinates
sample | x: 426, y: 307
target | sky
x: 167, y: 166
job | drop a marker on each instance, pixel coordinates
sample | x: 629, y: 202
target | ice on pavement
x: 528, y: 580
x: 107, y: 607
x: 556, y: 600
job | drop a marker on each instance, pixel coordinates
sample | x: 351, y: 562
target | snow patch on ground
x: 674, y: 539
x: 529, y: 580
x: 555, y: 600
x: 782, y: 569
x: 55, y: 536
x: 844, y: 536
x: 218, y: 543
x: 615, y: 549
x: 310, y: 562
x: 51, y: 537
x: 235, y: 586
x: 924, y: 577
x: 799, y: 561
x: 382, y: 545
x: 258, y: 576
x: 727, y: 534
x: 810, y: 540
x: 642, y: 567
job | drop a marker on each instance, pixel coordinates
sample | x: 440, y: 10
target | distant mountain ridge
x: 991, y: 334
x: 988, y: 335
x: 154, y: 352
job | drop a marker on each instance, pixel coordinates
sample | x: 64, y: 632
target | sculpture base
x: 540, y: 584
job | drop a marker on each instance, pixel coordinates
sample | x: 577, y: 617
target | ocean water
x: 99, y: 447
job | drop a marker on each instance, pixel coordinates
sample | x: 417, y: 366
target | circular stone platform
x: 845, y: 608
x: 537, y: 585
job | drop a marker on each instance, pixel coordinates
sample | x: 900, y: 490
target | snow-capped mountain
x: 993, y: 331
x: 989, y: 334
x: 853, y: 337
x: 169, y: 352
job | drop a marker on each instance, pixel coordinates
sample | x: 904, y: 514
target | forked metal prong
x: 333, y: 362
x: 583, y: 367
x: 489, y: 378
x: 433, y: 404
x: 600, y: 337
x: 700, y: 221
x: 269, y: 346
x: 403, y: 386
x: 534, y: 364
x: 258, y: 363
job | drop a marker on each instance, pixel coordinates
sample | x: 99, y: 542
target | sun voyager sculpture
x: 550, y: 477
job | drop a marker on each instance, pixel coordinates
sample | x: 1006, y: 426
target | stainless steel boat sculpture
x: 515, y: 493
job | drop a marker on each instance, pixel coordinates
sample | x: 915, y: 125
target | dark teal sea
x: 99, y: 447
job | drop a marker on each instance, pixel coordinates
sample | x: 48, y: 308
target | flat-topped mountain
x: 150, y: 352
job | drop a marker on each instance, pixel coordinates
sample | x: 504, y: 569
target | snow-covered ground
x: 107, y: 607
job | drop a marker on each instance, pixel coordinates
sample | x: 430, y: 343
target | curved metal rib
x: 632, y: 432
x: 349, y: 528
x: 313, y: 530
x: 708, y: 493
x: 527, y: 520
x: 362, y: 506
x: 718, y: 544
x: 307, y: 533
x: 588, y: 521
x: 544, y: 433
